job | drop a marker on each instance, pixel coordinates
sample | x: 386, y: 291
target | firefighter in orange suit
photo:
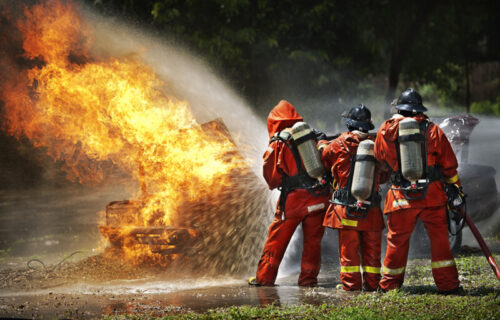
x: 423, y: 198
x: 300, y: 202
x: 360, y: 228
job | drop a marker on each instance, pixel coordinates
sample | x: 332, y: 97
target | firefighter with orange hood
x: 303, y: 199
x: 421, y: 159
x: 355, y: 209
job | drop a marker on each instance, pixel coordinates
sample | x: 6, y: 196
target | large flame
x: 97, y: 115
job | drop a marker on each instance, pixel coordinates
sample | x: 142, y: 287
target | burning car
x: 221, y: 231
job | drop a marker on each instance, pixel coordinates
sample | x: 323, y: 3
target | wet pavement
x: 158, y: 297
x: 49, y: 225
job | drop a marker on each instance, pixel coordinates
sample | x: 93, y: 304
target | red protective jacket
x: 337, y: 157
x: 279, y: 161
x: 301, y: 207
x: 439, y: 153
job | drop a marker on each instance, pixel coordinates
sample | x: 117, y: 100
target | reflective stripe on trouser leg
x: 375, y: 270
x: 371, y: 247
x: 400, y: 225
x: 312, y: 230
x: 389, y: 271
x: 443, y: 265
x: 351, y: 277
x: 350, y: 271
x: 280, y: 233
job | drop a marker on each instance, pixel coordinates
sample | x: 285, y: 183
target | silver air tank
x: 308, y: 150
x: 364, y: 171
x: 410, y: 151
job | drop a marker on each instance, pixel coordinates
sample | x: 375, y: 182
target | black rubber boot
x: 458, y: 291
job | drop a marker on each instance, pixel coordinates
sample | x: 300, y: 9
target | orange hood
x: 282, y: 116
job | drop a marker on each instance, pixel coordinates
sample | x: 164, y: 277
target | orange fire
x: 96, y: 115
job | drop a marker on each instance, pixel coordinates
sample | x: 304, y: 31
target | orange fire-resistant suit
x: 402, y: 214
x: 300, y: 207
x: 359, y: 239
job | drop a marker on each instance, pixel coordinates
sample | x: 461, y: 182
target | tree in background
x: 268, y: 49
x: 458, y: 38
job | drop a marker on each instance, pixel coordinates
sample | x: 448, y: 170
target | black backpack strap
x: 424, y: 125
x: 301, y: 180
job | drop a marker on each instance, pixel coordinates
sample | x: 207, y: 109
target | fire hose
x: 48, y: 270
x: 482, y: 244
x: 456, y: 206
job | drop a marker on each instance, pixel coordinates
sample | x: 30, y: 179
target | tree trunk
x: 402, y: 44
x: 395, y: 66
x: 467, y: 86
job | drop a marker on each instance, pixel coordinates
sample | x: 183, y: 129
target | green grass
x: 393, y: 305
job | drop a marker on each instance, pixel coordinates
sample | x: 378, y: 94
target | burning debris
x: 99, y: 116
x: 221, y: 232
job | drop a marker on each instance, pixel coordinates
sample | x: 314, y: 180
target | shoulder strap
x: 286, y: 137
x: 424, y: 125
x: 280, y: 136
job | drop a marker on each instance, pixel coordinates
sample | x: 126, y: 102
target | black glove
x: 319, y: 135
x: 456, y: 200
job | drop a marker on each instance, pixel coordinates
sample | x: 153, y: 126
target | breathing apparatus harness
x: 343, y: 196
x: 301, y: 180
x: 430, y: 174
x: 456, y: 205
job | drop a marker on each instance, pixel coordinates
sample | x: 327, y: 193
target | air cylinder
x: 308, y: 151
x: 410, y: 150
x: 364, y: 171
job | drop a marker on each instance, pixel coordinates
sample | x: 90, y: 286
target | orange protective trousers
x: 359, y: 248
x: 401, y: 224
x: 280, y: 233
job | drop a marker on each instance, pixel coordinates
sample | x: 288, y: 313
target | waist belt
x: 417, y: 190
x: 297, y: 182
x: 342, y: 197
x: 433, y: 174
x: 301, y: 181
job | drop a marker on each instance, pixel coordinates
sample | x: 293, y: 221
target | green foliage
x: 486, y: 107
x: 270, y: 49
